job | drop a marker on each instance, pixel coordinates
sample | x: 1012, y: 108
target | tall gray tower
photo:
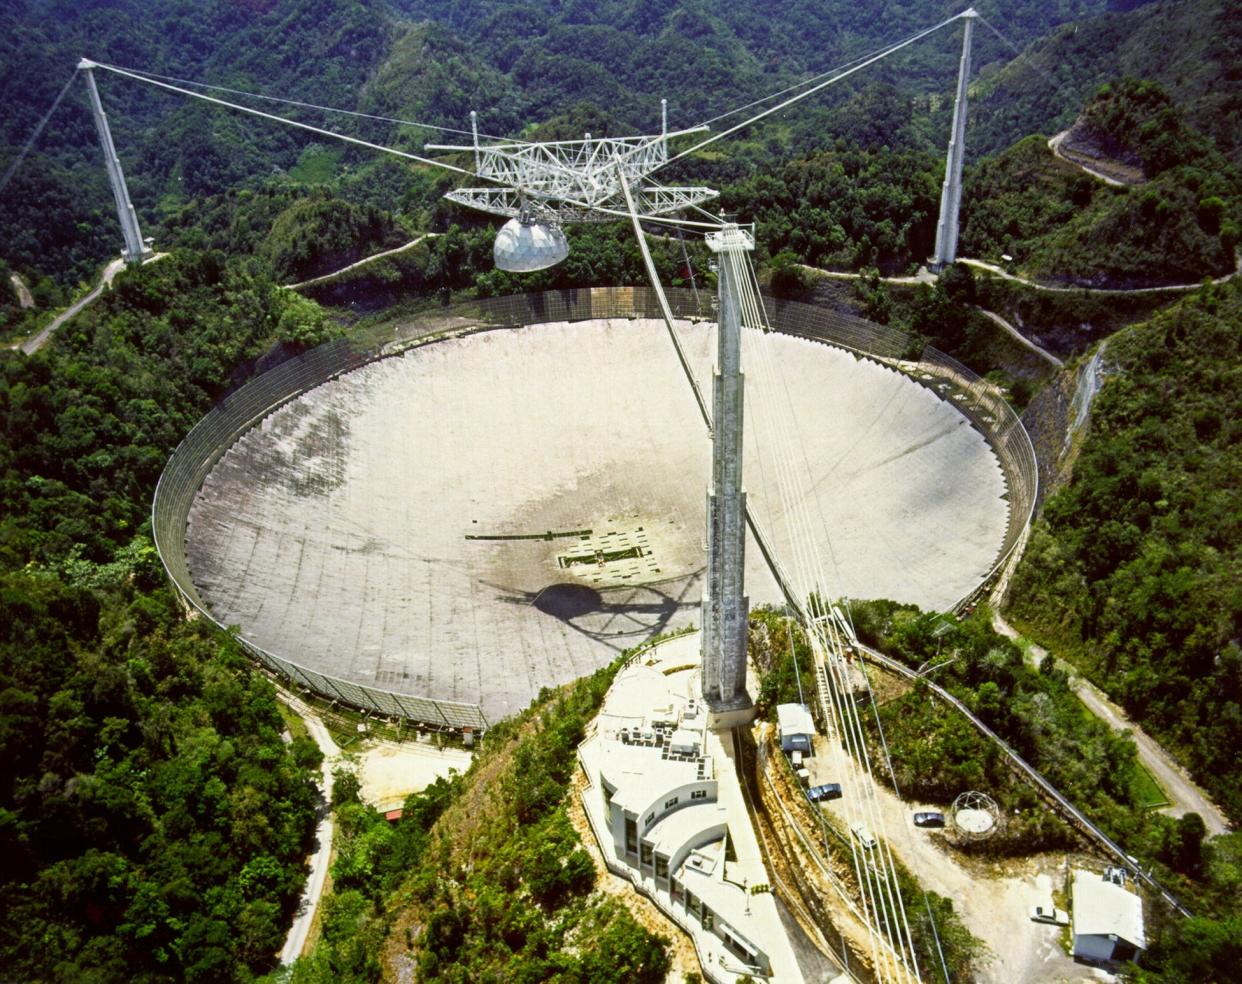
x: 951, y: 193
x: 135, y: 250
x: 725, y: 605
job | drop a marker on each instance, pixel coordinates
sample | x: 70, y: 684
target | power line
x: 805, y: 82
x: 281, y: 119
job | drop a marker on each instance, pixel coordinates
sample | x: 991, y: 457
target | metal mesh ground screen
x: 482, y: 516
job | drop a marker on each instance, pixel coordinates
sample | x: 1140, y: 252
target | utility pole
x: 951, y: 193
x: 135, y: 250
x: 725, y: 605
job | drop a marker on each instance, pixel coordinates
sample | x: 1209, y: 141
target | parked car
x: 1047, y: 914
x: 929, y: 818
x: 863, y: 835
x: 827, y: 791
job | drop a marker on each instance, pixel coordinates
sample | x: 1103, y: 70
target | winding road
x: 1054, y: 145
x: 1035, y: 285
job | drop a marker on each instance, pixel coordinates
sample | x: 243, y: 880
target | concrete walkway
x: 1184, y: 795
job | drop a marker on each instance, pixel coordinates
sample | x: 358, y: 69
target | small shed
x: 794, y: 727
x: 1107, y: 919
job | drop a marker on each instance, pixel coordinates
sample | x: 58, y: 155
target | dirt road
x: 1054, y: 145
x: 994, y: 900
x: 1184, y: 794
x: 1020, y: 338
x: 363, y: 262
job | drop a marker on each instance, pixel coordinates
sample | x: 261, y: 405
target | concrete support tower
x: 951, y: 194
x: 135, y: 250
x: 725, y: 605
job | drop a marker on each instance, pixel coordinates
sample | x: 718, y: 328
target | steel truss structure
x: 568, y: 181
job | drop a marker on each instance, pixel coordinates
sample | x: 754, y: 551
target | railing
x: 1068, y: 809
x: 212, y: 436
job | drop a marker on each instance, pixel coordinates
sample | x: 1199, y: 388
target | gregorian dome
x: 527, y: 246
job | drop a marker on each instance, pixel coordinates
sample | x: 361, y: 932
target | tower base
x: 727, y: 720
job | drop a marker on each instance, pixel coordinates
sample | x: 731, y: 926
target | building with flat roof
x: 1107, y: 919
x: 667, y: 810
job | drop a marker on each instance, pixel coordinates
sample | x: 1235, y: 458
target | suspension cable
x: 798, y: 85
x: 281, y: 119
x: 891, y: 49
x: 21, y: 155
x: 305, y: 105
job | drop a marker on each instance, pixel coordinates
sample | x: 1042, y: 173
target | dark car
x: 929, y: 819
x: 828, y: 791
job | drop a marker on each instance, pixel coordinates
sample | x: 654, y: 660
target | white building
x: 795, y: 727
x: 1107, y: 919
x: 668, y: 813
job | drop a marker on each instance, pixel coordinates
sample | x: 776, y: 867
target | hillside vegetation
x: 519, y: 64
x: 484, y: 878
x: 153, y: 823
x: 1190, y: 47
x: 1062, y: 225
x: 1134, y: 571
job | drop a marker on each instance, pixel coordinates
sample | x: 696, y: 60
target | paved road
x: 1185, y: 796
x: 363, y: 262
x: 1054, y: 145
x: 1020, y: 338
x: 1171, y: 289
x: 296, y: 940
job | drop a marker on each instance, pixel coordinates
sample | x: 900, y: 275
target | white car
x: 863, y: 835
x: 1047, y: 914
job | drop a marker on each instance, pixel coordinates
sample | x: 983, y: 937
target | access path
x: 1185, y: 796
x: 1054, y: 145
x: 32, y: 345
x: 363, y: 262
x: 322, y: 858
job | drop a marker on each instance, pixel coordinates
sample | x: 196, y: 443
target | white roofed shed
x: 795, y: 726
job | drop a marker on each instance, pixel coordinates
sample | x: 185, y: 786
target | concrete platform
x: 484, y: 516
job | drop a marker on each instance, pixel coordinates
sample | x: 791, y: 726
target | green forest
x: 153, y: 821
x: 484, y: 877
x: 1133, y: 571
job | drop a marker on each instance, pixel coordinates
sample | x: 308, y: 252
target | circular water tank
x: 524, y: 248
